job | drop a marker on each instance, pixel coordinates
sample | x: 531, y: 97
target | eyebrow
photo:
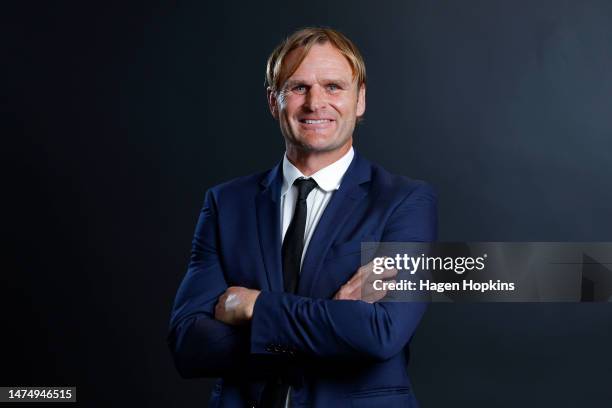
x: 294, y: 82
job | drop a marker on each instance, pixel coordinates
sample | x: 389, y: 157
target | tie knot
x: 304, y: 187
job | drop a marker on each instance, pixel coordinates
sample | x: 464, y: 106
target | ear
x: 361, y: 102
x: 272, y: 102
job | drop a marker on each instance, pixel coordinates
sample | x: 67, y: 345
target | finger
x: 369, y: 265
x: 380, y: 294
x: 353, y: 283
x: 374, y: 296
x: 365, y: 270
x: 388, y: 273
x: 392, y: 283
x: 359, y: 278
x: 345, y: 292
x: 372, y: 293
x: 355, y: 294
x: 362, y: 271
x: 368, y: 290
x: 357, y: 286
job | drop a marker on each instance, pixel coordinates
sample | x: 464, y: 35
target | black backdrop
x: 117, y: 117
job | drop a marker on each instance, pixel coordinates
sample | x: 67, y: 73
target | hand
x: 235, y: 306
x: 360, y: 286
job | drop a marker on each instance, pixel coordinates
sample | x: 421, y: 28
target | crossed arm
x: 219, y: 331
x: 235, y: 306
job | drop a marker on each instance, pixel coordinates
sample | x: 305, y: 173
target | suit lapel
x: 267, y: 205
x: 338, y: 211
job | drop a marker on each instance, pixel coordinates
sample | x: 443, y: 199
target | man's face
x: 318, y: 105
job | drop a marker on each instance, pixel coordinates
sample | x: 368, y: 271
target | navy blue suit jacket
x: 337, y: 352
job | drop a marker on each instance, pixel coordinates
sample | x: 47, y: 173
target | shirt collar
x: 328, y: 178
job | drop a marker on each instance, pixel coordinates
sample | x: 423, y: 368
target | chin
x: 323, y: 142
x: 319, y: 145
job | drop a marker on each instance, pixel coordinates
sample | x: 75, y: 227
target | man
x: 271, y: 302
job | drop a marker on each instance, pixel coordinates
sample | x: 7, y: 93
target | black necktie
x: 275, y: 391
x: 293, y: 244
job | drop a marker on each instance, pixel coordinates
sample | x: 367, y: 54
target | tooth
x: 313, y: 121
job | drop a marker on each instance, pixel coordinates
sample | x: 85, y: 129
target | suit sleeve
x: 202, y: 346
x: 347, y: 328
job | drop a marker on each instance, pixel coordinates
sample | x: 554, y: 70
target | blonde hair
x: 276, y: 71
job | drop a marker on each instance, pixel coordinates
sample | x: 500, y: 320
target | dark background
x: 117, y: 117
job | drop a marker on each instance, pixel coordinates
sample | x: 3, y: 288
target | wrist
x: 251, y: 304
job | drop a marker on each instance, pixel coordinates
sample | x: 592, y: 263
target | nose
x: 315, y: 98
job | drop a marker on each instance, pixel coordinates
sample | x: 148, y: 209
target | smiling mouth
x: 315, y: 121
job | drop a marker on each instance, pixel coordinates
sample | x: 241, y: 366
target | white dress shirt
x: 328, y: 180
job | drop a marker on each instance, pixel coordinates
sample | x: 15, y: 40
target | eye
x: 333, y: 87
x: 300, y: 89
